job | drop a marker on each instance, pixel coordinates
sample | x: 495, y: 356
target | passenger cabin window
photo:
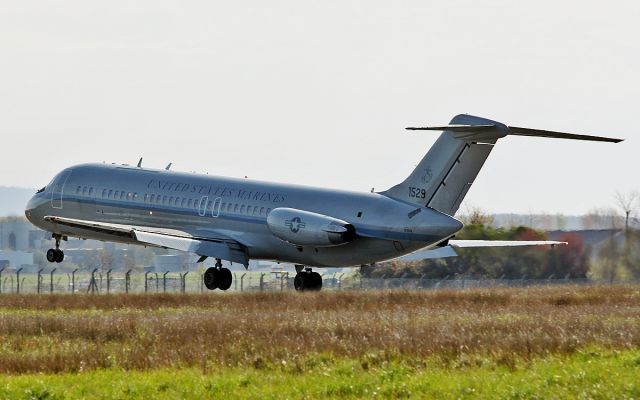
x: 78, y: 189
x: 235, y: 208
x: 248, y: 209
x: 90, y: 191
x: 261, y: 210
x: 242, y: 209
x: 184, y: 202
x: 122, y: 195
x: 189, y: 203
x: 110, y: 193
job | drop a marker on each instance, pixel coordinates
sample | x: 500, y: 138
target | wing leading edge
x: 215, y: 247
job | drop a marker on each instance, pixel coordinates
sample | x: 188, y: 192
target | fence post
x: 340, y: 281
x: 127, y: 281
x: 1, y: 269
x: 235, y: 282
x: 183, y: 279
x: 39, y: 279
x: 242, y: 282
x: 146, y: 281
x: 51, y: 280
x: 18, y: 280
x: 382, y: 281
x: 164, y: 282
x: 262, y: 282
x: 93, y: 286
x: 108, y: 280
x: 73, y: 281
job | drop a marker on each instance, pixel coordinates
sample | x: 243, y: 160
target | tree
x: 627, y: 202
x: 476, y: 216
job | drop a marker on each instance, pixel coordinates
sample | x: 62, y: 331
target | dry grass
x: 55, y: 333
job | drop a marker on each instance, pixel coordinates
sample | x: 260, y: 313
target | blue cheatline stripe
x: 367, y: 231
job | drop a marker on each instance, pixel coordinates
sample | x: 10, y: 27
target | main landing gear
x: 217, y: 277
x: 306, y: 279
x: 55, y: 255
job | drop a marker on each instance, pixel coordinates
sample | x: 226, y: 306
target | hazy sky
x: 319, y: 92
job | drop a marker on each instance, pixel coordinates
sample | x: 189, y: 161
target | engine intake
x: 306, y: 228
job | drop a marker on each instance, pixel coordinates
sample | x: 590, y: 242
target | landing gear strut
x: 55, y: 255
x: 306, y: 279
x: 217, y: 277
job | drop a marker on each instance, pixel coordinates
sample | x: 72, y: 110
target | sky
x: 319, y: 92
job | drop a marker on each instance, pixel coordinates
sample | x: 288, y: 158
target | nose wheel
x: 307, y: 280
x: 55, y: 255
x: 217, y: 277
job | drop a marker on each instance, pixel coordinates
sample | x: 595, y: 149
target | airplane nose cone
x: 32, y: 209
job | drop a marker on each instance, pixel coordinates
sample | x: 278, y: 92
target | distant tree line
x: 494, y: 263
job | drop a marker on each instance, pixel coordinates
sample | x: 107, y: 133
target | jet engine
x: 309, y: 229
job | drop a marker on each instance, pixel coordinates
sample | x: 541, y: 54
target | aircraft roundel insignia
x: 428, y: 174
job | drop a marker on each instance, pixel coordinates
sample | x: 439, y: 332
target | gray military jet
x: 241, y: 219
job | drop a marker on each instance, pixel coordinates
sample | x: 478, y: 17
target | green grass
x: 586, y: 374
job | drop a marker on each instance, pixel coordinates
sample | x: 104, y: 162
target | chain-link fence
x: 103, y: 282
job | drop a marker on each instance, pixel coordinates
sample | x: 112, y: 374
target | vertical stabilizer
x: 448, y: 170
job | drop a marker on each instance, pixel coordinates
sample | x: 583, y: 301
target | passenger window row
x: 175, y: 201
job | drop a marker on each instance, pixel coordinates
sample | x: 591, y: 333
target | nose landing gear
x: 217, y: 277
x: 306, y: 279
x: 55, y: 255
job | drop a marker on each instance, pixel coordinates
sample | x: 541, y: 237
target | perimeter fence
x: 105, y: 282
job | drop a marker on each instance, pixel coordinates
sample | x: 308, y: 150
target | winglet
x: 140, y: 163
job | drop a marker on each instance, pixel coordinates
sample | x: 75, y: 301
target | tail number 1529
x: 417, y: 193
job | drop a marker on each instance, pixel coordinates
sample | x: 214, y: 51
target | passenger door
x: 57, y: 191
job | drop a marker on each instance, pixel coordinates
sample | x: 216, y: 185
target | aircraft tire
x: 51, y: 255
x: 59, y: 256
x: 316, y: 281
x: 300, y: 282
x: 211, y: 278
x: 224, y: 278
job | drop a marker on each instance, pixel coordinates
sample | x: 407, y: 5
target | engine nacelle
x: 309, y: 229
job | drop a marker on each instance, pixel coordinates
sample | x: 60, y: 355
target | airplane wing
x: 502, y: 243
x: 217, y: 246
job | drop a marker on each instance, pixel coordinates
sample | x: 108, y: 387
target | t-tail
x: 447, y: 171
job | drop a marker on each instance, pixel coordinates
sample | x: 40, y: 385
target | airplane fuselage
x: 206, y: 206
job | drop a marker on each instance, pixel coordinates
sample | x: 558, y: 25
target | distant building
x: 15, y: 259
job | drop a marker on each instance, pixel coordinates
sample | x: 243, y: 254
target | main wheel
x: 211, y: 278
x: 300, y: 282
x: 316, y: 281
x: 59, y: 256
x: 224, y: 278
x: 52, y: 256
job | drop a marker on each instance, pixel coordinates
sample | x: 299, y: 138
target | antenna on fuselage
x: 140, y: 163
x: 168, y: 166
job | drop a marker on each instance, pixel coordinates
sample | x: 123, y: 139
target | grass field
x: 513, y: 343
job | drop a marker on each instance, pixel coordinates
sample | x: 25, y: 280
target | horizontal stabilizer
x: 514, y: 131
x: 461, y: 244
